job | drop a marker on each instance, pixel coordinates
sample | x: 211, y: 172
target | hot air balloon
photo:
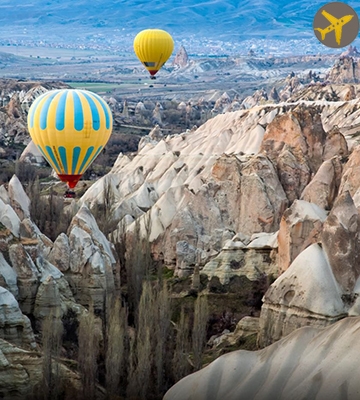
x: 70, y: 127
x: 153, y: 47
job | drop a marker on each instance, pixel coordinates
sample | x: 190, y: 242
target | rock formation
x: 306, y: 292
x: 345, y: 70
x: 243, y: 256
x: 292, y: 85
x: 274, y: 95
x: 294, y: 143
x: 264, y: 193
x: 181, y: 59
x: 222, y: 104
x: 300, y: 366
x: 32, y: 155
x: 341, y: 242
x: 22, y: 374
x: 300, y: 226
x: 321, y: 283
x: 351, y: 51
x: 350, y: 180
x: 40, y: 278
x: 89, y: 264
x: 15, y: 327
x: 203, y: 180
x: 16, y: 98
x: 156, y: 116
x: 259, y: 97
x: 125, y: 112
x: 19, y: 200
x: 323, y: 188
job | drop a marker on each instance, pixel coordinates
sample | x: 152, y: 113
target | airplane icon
x: 336, y: 24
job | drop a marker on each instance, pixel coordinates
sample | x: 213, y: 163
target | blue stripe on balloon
x: 33, y: 108
x: 75, y: 159
x: 42, y: 152
x: 60, y: 112
x: 78, y: 113
x: 94, y: 111
x: 45, y: 109
x: 52, y: 157
x: 62, y: 152
x: 106, y: 111
x: 96, y: 154
x: 86, y: 158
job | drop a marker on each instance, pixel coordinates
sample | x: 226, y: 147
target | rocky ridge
x: 41, y: 278
x: 292, y: 165
x: 173, y: 178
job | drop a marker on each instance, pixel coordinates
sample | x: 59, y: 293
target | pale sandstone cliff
x: 310, y: 363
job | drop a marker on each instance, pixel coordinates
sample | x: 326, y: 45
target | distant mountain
x: 230, y: 19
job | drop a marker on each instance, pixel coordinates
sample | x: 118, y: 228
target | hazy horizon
x: 116, y: 22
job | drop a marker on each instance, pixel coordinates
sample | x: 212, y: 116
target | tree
x: 48, y: 212
x: 89, y: 341
x: 116, y: 352
x: 180, y: 364
x: 52, y: 331
x: 201, y: 315
x: 162, y: 317
x: 148, y: 379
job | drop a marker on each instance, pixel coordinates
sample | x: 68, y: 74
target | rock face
x: 15, y: 100
x: 345, y: 70
x: 14, y: 326
x: 9, y: 218
x: 181, y: 59
x: 294, y: 143
x: 300, y: 226
x: 341, y: 242
x: 306, y: 291
x: 321, y: 285
x: 15, y: 379
x: 38, y: 279
x: 259, y: 97
x: 323, y: 188
x: 22, y: 374
x: 253, y: 259
x: 89, y: 264
x: 35, y: 273
x: 222, y: 104
x: 195, y: 183
x: 274, y: 95
x: 27, y: 97
x: 350, y: 180
x: 27, y: 276
x: 351, y: 51
x: 186, y: 175
x: 32, y: 154
x: 8, y: 277
x: 300, y: 366
x: 19, y: 200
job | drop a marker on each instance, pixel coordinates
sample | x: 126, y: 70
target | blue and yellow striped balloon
x: 70, y: 127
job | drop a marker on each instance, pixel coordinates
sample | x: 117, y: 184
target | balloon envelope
x: 70, y: 127
x: 153, y: 47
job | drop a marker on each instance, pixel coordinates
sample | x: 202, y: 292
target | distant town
x: 116, y: 41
